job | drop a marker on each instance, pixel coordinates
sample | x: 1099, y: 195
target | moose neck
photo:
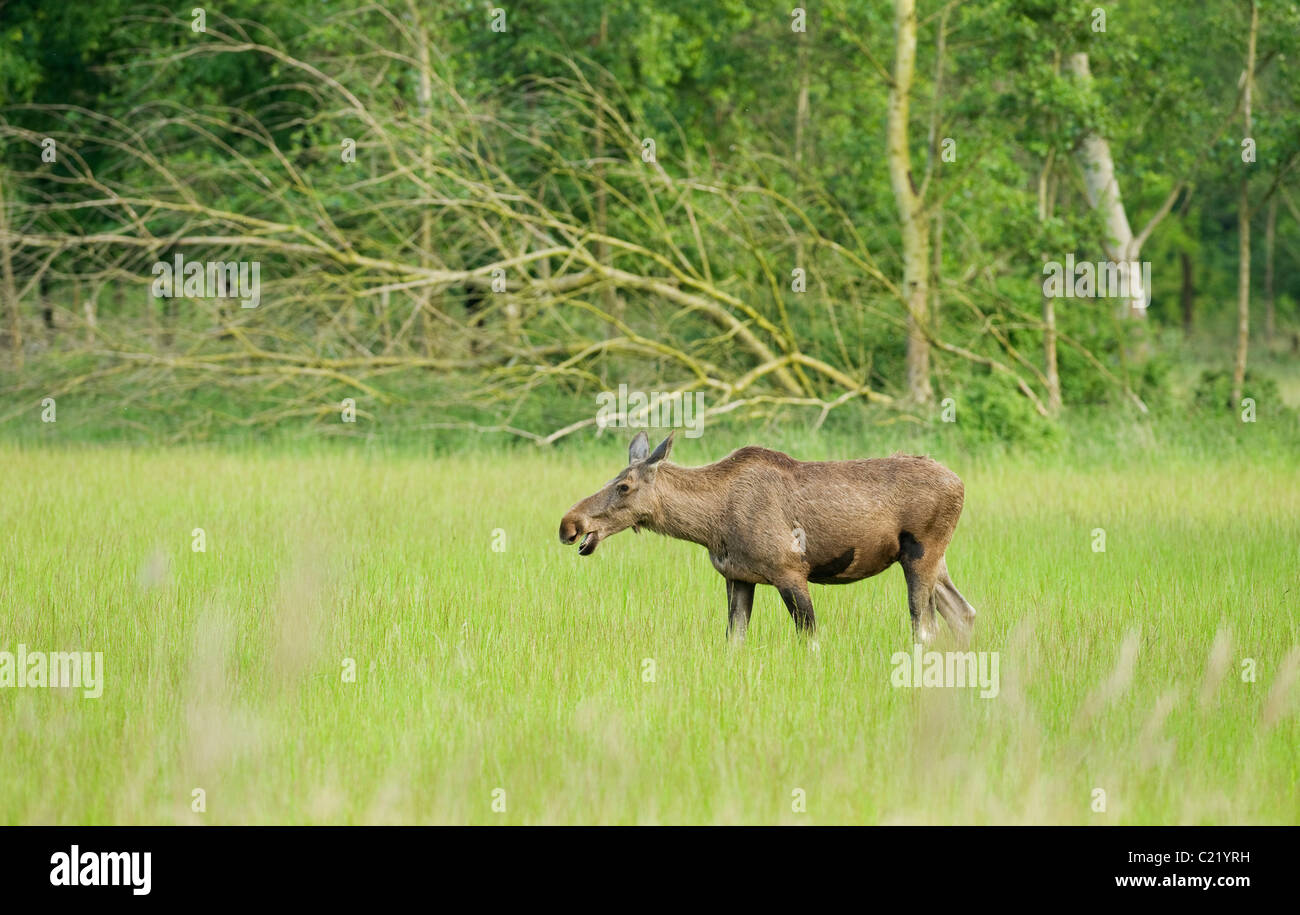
x: 689, y: 503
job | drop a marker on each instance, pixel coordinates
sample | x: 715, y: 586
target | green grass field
x: 525, y: 668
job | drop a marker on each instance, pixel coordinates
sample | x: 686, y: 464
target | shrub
x: 1214, y: 390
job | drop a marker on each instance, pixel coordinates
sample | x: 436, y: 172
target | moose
x: 766, y: 518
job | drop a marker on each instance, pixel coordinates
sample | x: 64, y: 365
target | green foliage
x: 550, y: 114
x: 990, y: 409
x: 1213, y: 393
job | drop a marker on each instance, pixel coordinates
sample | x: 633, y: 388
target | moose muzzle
x: 575, y: 526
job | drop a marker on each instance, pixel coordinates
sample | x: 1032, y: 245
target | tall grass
x: 525, y: 668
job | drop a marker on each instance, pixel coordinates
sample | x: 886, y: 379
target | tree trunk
x: 90, y: 308
x: 1270, y: 236
x: 1046, y: 203
x: 1243, y: 297
x: 9, y: 289
x: 425, y: 98
x: 912, y: 217
x: 1049, y: 356
x: 936, y: 272
x: 1187, y: 293
x: 801, y: 112
x: 932, y: 168
x: 46, y: 303
x: 1243, y: 223
x: 1102, y: 189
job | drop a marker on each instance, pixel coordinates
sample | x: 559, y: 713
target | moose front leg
x: 799, y: 603
x: 740, y: 602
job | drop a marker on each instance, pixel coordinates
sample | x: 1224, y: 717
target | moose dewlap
x: 768, y: 519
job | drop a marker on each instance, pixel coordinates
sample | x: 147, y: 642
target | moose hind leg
x: 953, y: 612
x: 740, y: 602
x: 960, y: 607
x: 799, y: 603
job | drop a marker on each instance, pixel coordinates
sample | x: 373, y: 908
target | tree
x: 1243, y: 222
x: 912, y: 216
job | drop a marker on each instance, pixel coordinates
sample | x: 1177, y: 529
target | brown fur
x: 766, y: 518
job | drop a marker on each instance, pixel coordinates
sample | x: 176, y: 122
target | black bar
x: 337, y: 864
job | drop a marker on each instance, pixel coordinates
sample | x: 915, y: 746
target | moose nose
x: 569, y: 529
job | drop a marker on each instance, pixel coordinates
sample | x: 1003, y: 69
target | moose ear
x: 662, y: 451
x: 639, y: 449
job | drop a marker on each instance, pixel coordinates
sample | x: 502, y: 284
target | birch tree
x: 1103, y: 192
x: 913, y: 219
x: 1243, y: 221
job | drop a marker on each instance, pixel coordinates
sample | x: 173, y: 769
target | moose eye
x: 624, y: 489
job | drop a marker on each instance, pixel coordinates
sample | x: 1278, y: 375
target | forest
x: 477, y: 218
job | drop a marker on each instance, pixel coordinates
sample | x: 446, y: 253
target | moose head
x: 626, y: 501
